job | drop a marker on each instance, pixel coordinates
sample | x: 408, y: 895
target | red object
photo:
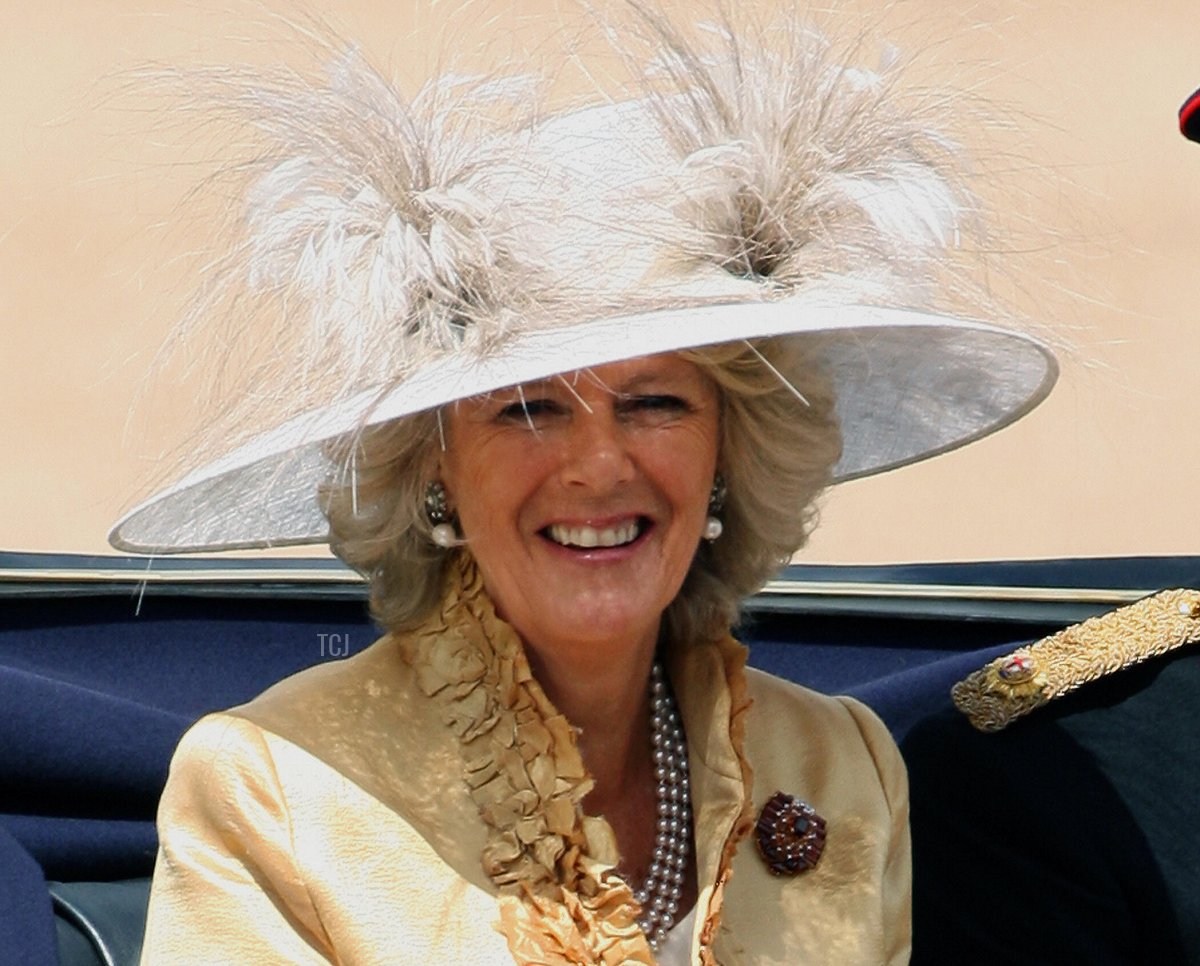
x: 1016, y: 666
x: 1189, y: 117
x: 790, y: 835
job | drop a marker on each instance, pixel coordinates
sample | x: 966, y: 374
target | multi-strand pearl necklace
x: 662, y: 891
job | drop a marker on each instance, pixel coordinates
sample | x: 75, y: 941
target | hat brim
x: 908, y: 385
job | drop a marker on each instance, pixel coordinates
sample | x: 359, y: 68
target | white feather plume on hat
x: 798, y: 169
x: 374, y: 231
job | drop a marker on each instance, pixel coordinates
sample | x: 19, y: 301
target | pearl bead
x: 444, y: 536
x: 713, y: 528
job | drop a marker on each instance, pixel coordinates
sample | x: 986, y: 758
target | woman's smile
x: 592, y: 536
x: 583, y: 498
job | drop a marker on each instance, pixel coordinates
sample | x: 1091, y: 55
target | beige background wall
x: 89, y: 282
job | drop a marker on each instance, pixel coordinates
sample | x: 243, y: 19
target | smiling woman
x: 583, y: 500
x: 777, y: 438
x: 587, y: 377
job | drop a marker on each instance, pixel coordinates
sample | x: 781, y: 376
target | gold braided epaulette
x: 1014, y: 685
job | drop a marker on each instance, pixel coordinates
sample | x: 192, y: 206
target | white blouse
x: 677, y: 950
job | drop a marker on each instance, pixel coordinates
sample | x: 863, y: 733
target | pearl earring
x: 713, y: 527
x: 438, y: 511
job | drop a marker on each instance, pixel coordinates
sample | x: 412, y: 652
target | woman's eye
x: 528, y: 410
x: 664, y: 404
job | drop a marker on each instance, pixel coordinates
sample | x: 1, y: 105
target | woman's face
x: 583, y: 497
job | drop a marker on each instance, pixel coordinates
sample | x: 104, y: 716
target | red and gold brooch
x: 790, y: 835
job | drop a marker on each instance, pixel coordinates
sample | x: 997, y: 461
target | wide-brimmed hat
x: 420, y: 252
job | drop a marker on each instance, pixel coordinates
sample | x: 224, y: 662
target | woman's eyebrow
x: 633, y: 384
x: 657, y: 381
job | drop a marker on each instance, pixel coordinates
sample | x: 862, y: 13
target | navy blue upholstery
x: 99, y: 679
x: 26, y: 923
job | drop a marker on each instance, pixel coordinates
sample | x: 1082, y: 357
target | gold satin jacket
x: 420, y: 803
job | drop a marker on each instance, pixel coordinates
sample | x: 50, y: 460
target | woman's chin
x: 589, y: 624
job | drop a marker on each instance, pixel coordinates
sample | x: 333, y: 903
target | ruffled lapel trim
x: 561, y: 900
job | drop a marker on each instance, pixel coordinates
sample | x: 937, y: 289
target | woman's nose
x: 598, y: 454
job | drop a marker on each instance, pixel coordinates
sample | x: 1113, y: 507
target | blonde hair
x: 779, y: 443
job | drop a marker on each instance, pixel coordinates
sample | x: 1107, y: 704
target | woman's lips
x: 585, y: 537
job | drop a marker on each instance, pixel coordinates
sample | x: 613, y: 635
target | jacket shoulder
x: 794, y: 707
x: 800, y: 738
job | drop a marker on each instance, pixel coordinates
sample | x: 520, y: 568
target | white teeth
x: 591, y: 537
